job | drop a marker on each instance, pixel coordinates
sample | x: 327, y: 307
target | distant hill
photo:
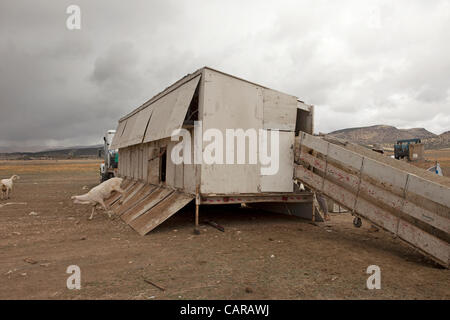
x: 439, y: 142
x: 14, y: 149
x: 388, y: 135
x: 63, y: 153
x: 380, y: 134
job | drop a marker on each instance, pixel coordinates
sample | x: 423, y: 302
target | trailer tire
x: 357, y: 222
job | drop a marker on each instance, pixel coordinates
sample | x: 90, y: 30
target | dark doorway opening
x: 162, y: 164
x: 303, y: 122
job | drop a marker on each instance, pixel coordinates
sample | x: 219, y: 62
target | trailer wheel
x: 357, y: 222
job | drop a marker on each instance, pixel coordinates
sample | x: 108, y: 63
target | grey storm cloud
x: 377, y: 62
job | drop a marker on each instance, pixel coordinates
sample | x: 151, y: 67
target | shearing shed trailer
x: 210, y: 103
x: 193, y: 118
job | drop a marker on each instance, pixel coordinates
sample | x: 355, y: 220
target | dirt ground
x: 441, y: 155
x: 259, y: 256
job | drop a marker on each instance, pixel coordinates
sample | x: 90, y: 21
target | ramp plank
x: 160, y: 213
x: 116, y: 196
x: 152, y: 199
x: 128, y: 192
x: 136, y: 199
x: 132, y: 193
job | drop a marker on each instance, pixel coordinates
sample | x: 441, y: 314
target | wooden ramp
x: 409, y: 202
x: 160, y: 212
x: 145, y: 206
x: 129, y: 193
x: 127, y: 184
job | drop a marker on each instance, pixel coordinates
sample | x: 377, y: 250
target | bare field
x: 47, y: 166
x: 441, y: 155
x: 259, y: 256
x: 431, y: 156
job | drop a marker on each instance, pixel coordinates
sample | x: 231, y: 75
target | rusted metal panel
x: 149, y: 202
x: 161, y: 212
x: 411, y: 207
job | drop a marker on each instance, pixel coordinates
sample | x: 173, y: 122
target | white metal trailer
x: 220, y: 101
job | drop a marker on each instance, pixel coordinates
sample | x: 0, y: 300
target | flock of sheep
x: 95, y: 196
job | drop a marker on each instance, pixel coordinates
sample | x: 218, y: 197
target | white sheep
x: 6, y: 186
x: 98, y: 194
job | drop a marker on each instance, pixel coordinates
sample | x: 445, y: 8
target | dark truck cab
x: 401, y: 148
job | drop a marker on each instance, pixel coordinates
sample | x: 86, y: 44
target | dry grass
x: 53, y: 166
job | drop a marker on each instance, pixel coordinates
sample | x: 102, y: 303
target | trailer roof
x: 158, y: 113
x: 183, y: 80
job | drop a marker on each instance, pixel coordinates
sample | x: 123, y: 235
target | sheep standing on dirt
x: 98, y: 194
x: 6, y: 186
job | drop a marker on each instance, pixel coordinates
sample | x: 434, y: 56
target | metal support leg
x: 197, y: 209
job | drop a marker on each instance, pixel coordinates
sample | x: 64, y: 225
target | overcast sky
x: 359, y: 62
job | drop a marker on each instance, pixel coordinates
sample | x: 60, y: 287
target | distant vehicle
x: 402, y: 148
x: 108, y: 168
